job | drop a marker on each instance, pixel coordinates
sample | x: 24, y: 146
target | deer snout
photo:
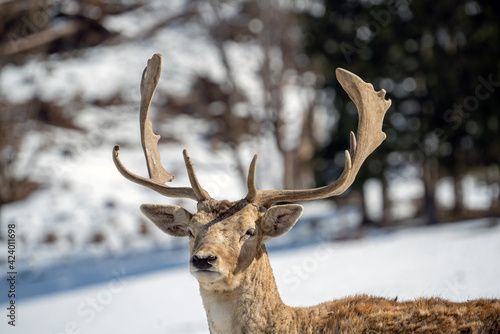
x: 203, y: 262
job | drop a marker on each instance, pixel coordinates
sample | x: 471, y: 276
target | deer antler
x: 149, y: 140
x: 158, y: 175
x: 372, y: 107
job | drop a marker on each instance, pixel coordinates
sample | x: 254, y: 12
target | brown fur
x: 258, y: 308
x: 364, y: 314
x: 240, y: 294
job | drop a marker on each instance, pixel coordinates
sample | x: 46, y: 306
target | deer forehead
x: 225, y: 215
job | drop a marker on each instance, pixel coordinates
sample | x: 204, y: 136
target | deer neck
x: 253, y: 306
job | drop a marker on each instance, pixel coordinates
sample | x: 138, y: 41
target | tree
x: 37, y: 29
x: 283, y: 95
x: 431, y: 58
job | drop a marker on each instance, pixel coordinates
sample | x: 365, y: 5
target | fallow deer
x: 227, y: 242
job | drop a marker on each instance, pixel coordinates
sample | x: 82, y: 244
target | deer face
x: 224, y: 237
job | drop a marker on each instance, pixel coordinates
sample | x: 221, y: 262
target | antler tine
x: 252, y: 188
x: 158, y: 175
x: 372, y: 107
x: 178, y: 192
x: 198, y: 190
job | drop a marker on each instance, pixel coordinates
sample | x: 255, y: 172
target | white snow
x: 457, y: 262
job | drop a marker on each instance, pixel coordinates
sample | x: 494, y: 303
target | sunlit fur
x: 242, y: 297
x: 219, y: 228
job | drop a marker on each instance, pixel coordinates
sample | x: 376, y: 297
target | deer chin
x: 206, y: 276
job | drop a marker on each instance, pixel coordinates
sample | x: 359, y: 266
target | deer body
x: 228, y: 253
x: 256, y: 307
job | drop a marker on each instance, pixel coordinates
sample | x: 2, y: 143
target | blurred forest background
x: 274, y: 87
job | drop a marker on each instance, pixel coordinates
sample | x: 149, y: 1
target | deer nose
x: 203, y: 263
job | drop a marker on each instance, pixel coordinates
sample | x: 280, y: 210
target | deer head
x: 226, y: 238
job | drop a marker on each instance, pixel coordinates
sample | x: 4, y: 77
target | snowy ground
x: 457, y: 262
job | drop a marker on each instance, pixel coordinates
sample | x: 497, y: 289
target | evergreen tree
x: 439, y: 63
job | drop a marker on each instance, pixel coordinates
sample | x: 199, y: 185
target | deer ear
x: 280, y: 219
x: 171, y: 219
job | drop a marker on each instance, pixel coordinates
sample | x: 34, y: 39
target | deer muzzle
x: 203, y: 262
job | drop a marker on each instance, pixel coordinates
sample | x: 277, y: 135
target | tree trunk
x: 493, y: 179
x: 288, y: 169
x: 458, y: 208
x: 429, y: 178
x: 386, y: 205
x: 458, y: 173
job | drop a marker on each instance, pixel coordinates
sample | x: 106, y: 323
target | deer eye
x: 250, y: 233
x: 190, y: 234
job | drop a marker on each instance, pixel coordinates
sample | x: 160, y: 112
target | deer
x: 227, y: 241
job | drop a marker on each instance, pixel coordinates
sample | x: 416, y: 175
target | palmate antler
x: 372, y: 107
x: 158, y: 175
